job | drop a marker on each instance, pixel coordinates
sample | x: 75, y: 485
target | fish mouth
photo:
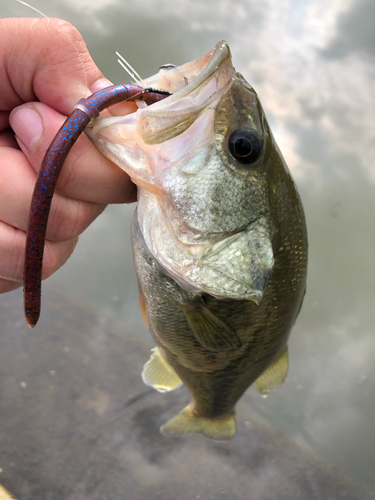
x: 129, y: 140
x: 182, y: 80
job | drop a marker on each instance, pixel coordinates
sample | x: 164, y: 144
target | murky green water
x: 312, y: 64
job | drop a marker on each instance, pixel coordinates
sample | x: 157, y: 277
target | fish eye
x: 245, y: 146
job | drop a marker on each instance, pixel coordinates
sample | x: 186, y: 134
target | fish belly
x: 216, y: 378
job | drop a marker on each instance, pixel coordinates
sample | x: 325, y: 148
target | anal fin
x: 5, y: 495
x: 159, y: 374
x: 274, y: 375
x: 187, y: 422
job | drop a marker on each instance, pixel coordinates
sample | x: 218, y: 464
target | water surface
x: 313, y: 66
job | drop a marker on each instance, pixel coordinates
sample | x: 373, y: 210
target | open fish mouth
x: 130, y: 140
x: 191, y: 75
x: 202, y: 213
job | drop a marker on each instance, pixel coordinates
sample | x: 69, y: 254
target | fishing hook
x: 85, y: 112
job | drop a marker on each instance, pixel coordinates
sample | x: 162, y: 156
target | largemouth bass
x: 219, y: 238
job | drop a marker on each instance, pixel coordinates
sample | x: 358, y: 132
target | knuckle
x: 7, y: 286
x: 56, y: 254
x: 69, y: 218
x: 66, y: 44
x: 58, y: 29
x: 12, y: 251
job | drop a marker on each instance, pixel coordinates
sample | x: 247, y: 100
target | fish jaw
x: 204, y: 216
x: 140, y: 143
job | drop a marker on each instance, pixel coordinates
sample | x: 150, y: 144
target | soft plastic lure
x: 84, y: 113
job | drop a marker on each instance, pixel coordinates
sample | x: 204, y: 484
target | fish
x: 219, y: 238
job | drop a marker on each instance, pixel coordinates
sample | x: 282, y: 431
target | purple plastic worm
x: 85, y: 111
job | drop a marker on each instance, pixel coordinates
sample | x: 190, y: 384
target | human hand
x: 41, y: 79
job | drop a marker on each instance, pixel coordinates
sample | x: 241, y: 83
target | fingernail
x: 27, y: 125
x: 100, y: 84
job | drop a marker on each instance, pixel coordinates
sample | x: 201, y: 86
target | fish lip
x: 217, y: 55
x: 215, y: 58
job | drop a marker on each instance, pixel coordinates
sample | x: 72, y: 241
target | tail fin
x: 187, y: 422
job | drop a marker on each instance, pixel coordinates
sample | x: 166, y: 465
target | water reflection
x: 312, y: 64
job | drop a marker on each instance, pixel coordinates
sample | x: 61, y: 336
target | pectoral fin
x: 143, y: 309
x: 159, y: 374
x: 187, y: 422
x: 210, y: 331
x: 274, y: 376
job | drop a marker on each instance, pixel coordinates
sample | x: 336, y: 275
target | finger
x: 7, y: 139
x: 12, y: 251
x: 55, y: 64
x: 68, y: 217
x: 8, y: 285
x: 86, y: 175
x: 4, y: 120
